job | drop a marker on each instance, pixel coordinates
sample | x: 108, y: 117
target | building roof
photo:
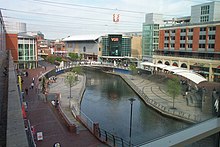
x: 91, y: 37
x: 196, y: 78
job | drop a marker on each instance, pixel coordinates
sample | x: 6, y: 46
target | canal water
x: 106, y: 101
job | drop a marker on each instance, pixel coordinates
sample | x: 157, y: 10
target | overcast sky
x: 58, y: 19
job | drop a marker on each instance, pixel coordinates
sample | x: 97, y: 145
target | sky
x: 59, y: 19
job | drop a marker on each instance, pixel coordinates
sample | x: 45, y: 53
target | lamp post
x: 131, y: 101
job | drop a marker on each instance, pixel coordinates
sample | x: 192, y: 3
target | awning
x: 196, y: 78
x: 147, y: 63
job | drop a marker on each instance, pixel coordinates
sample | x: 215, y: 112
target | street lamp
x: 131, y: 101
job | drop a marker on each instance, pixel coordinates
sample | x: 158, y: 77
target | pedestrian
x: 45, y: 67
x: 26, y: 73
x: 32, y: 85
x: 33, y: 80
x: 26, y: 91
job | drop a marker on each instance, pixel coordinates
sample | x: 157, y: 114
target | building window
x: 173, y: 31
x: 202, y: 37
x: 182, y: 37
x: 189, y: 45
x: 190, y: 29
x: 211, y: 37
x: 205, y: 10
x: 166, y: 38
x: 183, y: 30
x: 201, y: 45
x: 172, y: 37
x: 190, y: 37
x: 212, y: 28
x: 166, y: 45
x: 182, y: 45
x: 156, y: 40
x: 204, y: 18
x: 156, y: 33
x: 212, y: 46
x: 202, y: 29
x: 172, y: 45
x: 166, y: 31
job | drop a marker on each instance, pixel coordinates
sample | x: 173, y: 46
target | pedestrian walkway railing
x: 112, y: 139
x: 87, y: 121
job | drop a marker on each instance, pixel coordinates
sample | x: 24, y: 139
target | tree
x: 73, y: 56
x: 43, y: 86
x: 77, y: 70
x: 70, y: 80
x: 173, y: 88
x: 133, y: 69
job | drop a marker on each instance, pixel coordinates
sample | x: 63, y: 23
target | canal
x: 106, y: 101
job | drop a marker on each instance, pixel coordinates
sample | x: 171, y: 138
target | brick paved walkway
x: 44, y: 120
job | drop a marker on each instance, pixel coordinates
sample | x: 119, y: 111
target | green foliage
x: 133, y: 69
x: 53, y: 58
x: 77, y: 70
x: 43, y: 84
x: 70, y: 80
x: 74, y: 56
x: 173, y: 88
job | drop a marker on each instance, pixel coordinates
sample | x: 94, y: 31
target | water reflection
x: 106, y: 101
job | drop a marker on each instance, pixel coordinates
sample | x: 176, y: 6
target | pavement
x: 156, y: 91
x: 45, y: 120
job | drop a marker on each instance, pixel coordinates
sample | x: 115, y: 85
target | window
x: 212, y: 28
x: 182, y: 37
x: 173, y: 31
x: 190, y: 37
x: 202, y: 37
x: 166, y: 31
x: 189, y: 45
x: 166, y: 45
x: 190, y: 29
x: 172, y: 37
x: 166, y: 38
x: 156, y: 33
x: 172, y: 45
x: 201, y: 45
x: 183, y: 30
x: 202, y: 29
x: 211, y: 37
x: 204, y: 9
x: 212, y: 46
x: 182, y: 45
x: 204, y: 18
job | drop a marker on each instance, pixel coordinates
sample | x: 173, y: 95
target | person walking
x: 32, y: 85
x: 26, y: 91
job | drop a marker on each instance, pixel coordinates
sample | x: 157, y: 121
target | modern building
x: 193, y: 45
x: 99, y: 47
x: 24, y: 50
x: 86, y: 46
x: 206, y: 12
x: 136, y: 44
x: 150, y: 35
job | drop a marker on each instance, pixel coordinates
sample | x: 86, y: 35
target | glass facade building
x: 116, y: 45
x: 27, y: 55
x: 150, y: 40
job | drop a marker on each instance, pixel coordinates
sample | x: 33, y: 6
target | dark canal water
x: 106, y: 101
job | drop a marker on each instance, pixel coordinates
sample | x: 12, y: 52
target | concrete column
x: 179, y: 63
x: 210, y: 73
x: 188, y: 65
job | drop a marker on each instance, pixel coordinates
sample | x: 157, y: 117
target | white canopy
x: 196, y: 78
x: 147, y: 63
